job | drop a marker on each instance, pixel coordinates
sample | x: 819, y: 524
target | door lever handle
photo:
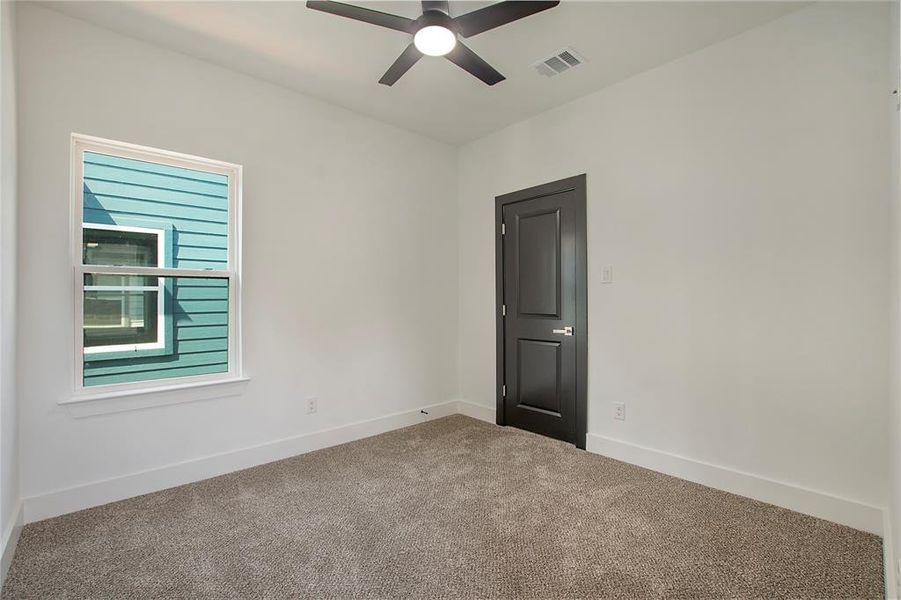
x: 565, y: 331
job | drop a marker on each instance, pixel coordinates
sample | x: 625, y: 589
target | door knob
x: 565, y: 331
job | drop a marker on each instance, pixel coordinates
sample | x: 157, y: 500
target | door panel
x: 539, y: 264
x: 539, y: 375
x: 539, y: 288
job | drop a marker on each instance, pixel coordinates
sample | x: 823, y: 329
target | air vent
x: 557, y: 63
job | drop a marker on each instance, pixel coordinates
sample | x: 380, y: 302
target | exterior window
x: 155, y: 254
x: 122, y: 312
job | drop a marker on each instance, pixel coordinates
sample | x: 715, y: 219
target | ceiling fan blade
x: 498, y: 14
x: 403, y: 63
x: 471, y: 62
x: 358, y: 13
x: 440, y: 5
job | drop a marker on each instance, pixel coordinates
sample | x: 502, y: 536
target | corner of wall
x: 9, y: 541
x: 892, y: 534
x: 10, y: 501
x: 476, y: 411
x: 888, y: 556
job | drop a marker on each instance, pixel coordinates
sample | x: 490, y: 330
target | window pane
x: 138, y: 213
x: 115, y: 318
x: 119, y: 248
x: 190, y: 206
x: 178, y: 328
x: 104, y: 280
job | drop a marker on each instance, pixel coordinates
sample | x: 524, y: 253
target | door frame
x: 577, y: 185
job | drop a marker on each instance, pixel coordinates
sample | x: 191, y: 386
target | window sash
x: 122, y: 288
x: 82, y: 144
x: 161, y: 321
x: 234, y: 338
x: 154, y: 271
x: 159, y: 233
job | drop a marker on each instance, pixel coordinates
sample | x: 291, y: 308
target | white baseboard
x: 810, y: 502
x: 476, y: 411
x: 9, y: 542
x: 72, y: 499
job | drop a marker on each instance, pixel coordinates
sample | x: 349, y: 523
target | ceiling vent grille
x: 559, y: 62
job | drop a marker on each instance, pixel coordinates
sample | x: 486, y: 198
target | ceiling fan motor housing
x: 434, y: 17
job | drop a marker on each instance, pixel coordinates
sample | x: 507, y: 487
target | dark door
x: 542, y: 309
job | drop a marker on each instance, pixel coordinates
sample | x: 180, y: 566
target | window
x: 156, y: 254
x: 123, y: 313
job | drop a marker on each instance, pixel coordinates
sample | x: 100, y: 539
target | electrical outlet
x: 312, y: 405
x: 619, y: 411
x: 607, y: 274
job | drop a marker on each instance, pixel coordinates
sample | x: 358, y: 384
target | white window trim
x: 159, y: 289
x: 83, y: 143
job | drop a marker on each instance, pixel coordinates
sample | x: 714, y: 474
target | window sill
x: 87, y: 405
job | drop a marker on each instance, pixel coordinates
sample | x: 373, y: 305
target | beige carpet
x: 451, y: 508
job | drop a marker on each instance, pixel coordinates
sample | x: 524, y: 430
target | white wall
x: 740, y: 194
x: 9, y: 455
x: 893, y: 535
x: 349, y: 253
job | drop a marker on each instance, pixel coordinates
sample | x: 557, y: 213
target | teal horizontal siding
x: 111, y: 216
x: 200, y: 319
x: 152, y: 209
x: 131, y: 179
x: 200, y: 253
x: 161, y: 374
x: 182, y: 359
x: 208, y: 345
x: 201, y: 293
x: 192, y: 207
x: 92, y: 158
x: 203, y: 282
x: 204, y: 240
x: 112, y: 189
x: 203, y: 306
x: 201, y: 332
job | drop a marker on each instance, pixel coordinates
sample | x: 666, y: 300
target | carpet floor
x: 451, y: 508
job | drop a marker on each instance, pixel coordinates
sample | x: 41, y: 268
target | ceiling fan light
x: 435, y: 40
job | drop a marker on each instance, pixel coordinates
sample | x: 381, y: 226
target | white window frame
x: 83, y: 143
x: 159, y: 288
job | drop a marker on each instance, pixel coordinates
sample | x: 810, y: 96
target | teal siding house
x: 145, y: 214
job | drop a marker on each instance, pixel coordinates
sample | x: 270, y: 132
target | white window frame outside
x: 83, y: 143
x: 159, y: 288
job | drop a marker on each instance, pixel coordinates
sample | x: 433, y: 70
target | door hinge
x: 503, y: 229
x: 504, y: 391
x: 504, y: 310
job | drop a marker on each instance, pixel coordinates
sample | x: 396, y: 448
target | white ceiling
x: 340, y: 61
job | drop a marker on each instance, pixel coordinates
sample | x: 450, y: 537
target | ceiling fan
x: 435, y: 32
